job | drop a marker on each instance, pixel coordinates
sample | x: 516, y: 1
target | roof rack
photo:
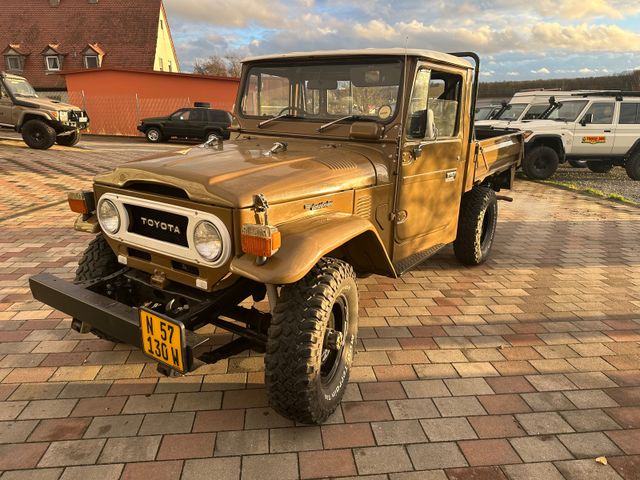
x: 619, y: 94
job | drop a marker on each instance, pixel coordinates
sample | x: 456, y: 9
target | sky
x: 517, y: 39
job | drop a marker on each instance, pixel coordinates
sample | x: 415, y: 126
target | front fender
x: 305, y: 241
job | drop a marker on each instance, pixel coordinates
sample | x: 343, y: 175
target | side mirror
x: 432, y: 130
x: 588, y: 118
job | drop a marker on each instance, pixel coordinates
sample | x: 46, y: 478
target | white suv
x: 602, y: 128
x: 525, y: 105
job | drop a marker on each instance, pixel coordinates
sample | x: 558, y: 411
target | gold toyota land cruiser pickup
x: 341, y: 164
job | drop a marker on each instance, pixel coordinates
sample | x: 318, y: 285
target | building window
x: 91, y: 61
x: 161, y: 25
x: 14, y: 62
x: 53, y: 63
x: 170, y: 66
x: 160, y: 64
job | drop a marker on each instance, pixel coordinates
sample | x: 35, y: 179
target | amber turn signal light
x: 260, y: 240
x: 81, y: 201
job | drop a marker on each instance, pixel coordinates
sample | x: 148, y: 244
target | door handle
x: 607, y: 131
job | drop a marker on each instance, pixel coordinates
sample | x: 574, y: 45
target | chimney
x: 54, y: 3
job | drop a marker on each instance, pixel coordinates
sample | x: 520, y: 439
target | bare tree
x: 222, y: 66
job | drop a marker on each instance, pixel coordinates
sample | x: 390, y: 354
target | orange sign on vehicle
x: 594, y: 139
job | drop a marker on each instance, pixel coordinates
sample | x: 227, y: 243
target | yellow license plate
x: 163, y: 339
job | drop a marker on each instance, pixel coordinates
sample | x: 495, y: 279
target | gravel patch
x: 615, y: 182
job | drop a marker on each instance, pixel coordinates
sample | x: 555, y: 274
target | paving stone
x: 21, y: 456
x: 247, y: 442
x: 398, y: 432
x: 224, y: 468
x: 347, y: 436
x: 448, y: 429
x: 373, y: 460
x: 114, y: 426
x: 628, y: 467
x: 47, y: 409
x: 627, y: 440
x: 168, y: 470
x: 459, y: 406
x: 531, y: 471
x: 543, y: 448
x: 281, y: 466
x: 72, y: 452
x: 590, y: 399
x: 476, y: 473
x: 589, y: 445
x: 160, y: 423
x: 189, y: 445
x: 366, y: 411
x: 11, y: 410
x: 468, y: 386
x: 589, y: 420
x: 626, y: 417
x: 426, y: 389
x: 503, y: 404
x: 586, y: 470
x: 412, y: 408
x: 334, y: 463
x: 295, y: 439
x: 380, y: 391
x: 436, y: 455
x: 39, y: 474
x: 60, y: 429
x: 95, y: 407
x: 37, y: 391
x: 148, y: 404
x: 496, y: 426
x: 488, y: 452
x: 103, y: 472
x: 543, y: 423
x: 215, y: 421
x: 130, y: 449
x: 547, y: 401
x: 16, y: 431
x: 85, y: 389
x: 265, y: 417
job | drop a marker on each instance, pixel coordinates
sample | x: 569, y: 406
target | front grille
x: 165, y: 226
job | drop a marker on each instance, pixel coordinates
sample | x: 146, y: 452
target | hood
x: 154, y: 119
x: 45, y: 103
x: 538, y: 125
x: 230, y: 175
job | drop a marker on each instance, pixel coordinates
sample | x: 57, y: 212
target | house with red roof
x: 43, y: 39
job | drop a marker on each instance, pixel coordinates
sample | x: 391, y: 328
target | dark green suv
x: 198, y: 122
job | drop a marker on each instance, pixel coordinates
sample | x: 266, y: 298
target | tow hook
x: 333, y: 339
x: 504, y: 197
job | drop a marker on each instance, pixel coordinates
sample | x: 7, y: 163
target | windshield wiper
x: 277, y: 117
x: 338, y: 120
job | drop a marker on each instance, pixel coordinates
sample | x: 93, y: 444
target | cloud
x: 513, y: 74
x: 229, y: 13
x: 541, y: 71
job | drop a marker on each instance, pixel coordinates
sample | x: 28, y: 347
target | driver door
x: 596, y: 137
x: 432, y: 166
x: 177, y: 123
x: 6, y: 108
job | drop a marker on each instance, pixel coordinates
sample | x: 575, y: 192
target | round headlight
x: 108, y: 216
x: 207, y: 240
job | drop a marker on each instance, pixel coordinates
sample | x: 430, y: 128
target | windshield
x: 323, y: 92
x: 20, y: 87
x: 484, y: 113
x: 512, y: 112
x: 567, y: 111
x: 535, y: 111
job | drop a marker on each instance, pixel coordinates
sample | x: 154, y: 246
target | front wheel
x: 540, y: 163
x: 311, y: 342
x: 38, y: 134
x: 632, y: 166
x: 599, y: 167
x: 476, y: 226
x: 154, y: 135
x: 69, y: 140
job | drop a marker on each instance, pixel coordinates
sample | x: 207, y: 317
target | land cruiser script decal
x: 318, y: 206
x: 594, y: 140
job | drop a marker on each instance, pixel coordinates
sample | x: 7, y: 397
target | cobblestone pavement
x: 527, y: 367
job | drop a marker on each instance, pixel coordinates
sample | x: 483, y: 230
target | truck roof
x: 399, y: 52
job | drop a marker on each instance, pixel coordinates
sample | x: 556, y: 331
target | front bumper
x: 74, y: 120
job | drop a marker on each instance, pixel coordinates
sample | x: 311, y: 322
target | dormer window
x: 14, y: 63
x: 92, y: 56
x: 53, y: 63
x: 91, y: 61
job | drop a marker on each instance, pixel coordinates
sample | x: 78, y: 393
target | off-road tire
x: 97, y: 261
x: 298, y: 387
x: 38, y: 134
x: 154, y: 135
x: 476, y: 226
x: 599, y: 167
x: 632, y: 166
x: 540, y: 163
x: 577, y: 163
x: 69, y: 140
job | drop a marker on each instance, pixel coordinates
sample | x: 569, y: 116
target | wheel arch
x: 547, y: 140
x: 304, y: 242
x: 635, y: 149
x: 25, y: 117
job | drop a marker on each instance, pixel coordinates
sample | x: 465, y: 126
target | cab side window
x: 602, y: 112
x: 440, y: 93
x: 629, y: 113
x: 198, y: 116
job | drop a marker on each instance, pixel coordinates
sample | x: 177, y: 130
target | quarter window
x: 53, y: 63
x: 602, y: 112
x: 629, y: 113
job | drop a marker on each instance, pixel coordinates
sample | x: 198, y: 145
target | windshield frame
x: 511, y: 105
x: 7, y: 84
x: 561, y: 103
x: 353, y: 61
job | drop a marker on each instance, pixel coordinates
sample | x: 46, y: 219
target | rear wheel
x: 212, y: 136
x: 38, y: 134
x: 154, y: 135
x: 476, y: 226
x: 632, y: 166
x: 69, y: 140
x: 540, y: 163
x: 311, y: 342
x: 97, y: 261
x: 599, y: 167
